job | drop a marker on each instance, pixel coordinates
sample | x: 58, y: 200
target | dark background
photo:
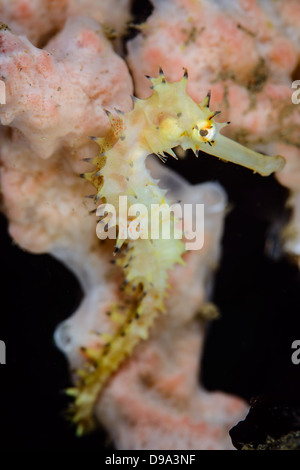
x: 247, y: 352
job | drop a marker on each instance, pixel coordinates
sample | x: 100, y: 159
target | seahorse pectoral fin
x: 231, y: 151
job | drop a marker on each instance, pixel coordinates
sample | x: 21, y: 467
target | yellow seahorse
x: 167, y: 119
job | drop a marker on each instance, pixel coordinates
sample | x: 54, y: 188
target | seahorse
x: 156, y: 125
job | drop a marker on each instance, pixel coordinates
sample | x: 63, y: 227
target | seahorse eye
x: 203, y: 132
